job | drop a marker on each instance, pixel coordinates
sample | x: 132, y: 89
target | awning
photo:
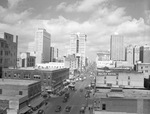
x: 36, y: 101
x: 24, y: 109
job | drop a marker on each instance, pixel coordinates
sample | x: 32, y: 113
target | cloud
x: 13, y: 3
x: 80, y: 6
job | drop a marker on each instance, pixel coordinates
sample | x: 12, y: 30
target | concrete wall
x: 119, y: 105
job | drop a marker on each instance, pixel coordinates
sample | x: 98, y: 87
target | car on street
x: 82, y: 110
x: 65, y: 100
x: 58, y: 108
x: 68, y: 108
x: 40, y: 111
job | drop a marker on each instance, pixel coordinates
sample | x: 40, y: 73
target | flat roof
x: 16, y: 82
x: 126, y: 94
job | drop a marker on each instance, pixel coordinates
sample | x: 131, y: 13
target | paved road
x: 76, y: 100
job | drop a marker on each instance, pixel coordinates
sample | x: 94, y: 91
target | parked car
x: 40, y: 111
x: 65, y: 100
x: 82, y: 110
x: 68, y: 108
x: 58, y: 108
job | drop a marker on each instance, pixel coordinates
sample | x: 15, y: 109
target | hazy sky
x: 99, y: 19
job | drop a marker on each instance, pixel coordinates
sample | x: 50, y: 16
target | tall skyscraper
x: 78, y: 47
x: 136, y: 54
x: 117, y: 49
x: 42, y: 45
x: 129, y: 54
x: 145, y: 54
x: 54, y: 54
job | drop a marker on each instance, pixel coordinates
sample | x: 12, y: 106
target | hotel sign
x: 107, y: 74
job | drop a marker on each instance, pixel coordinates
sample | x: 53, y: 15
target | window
x: 128, y: 83
x: 104, y: 81
x: 105, y: 77
x: 15, y: 75
x: 1, y: 52
x: 20, y: 92
x: 146, y: 66
x: 141, y: 67
x: 116, y: 77
x: 146, y: 71
x: 0, y: 91
x: 128, y: 77
x: 116, y: 82
x: 1, y: 60
x: 103, y: 106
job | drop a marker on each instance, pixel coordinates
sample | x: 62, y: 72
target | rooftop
x: 126, y: 94
x: 16, y: 82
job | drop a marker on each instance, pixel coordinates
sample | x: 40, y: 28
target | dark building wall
x: 119, y: 105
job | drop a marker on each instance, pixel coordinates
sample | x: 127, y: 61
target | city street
x: 76, y: 101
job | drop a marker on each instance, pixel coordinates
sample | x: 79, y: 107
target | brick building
x: 50, y: 79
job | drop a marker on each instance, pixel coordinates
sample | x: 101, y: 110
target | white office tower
x: 42, y: 45
x: 78, y: 47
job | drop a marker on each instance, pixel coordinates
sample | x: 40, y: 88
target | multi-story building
x: 144, y: 68
x: 51, y: 54
x: 136, y: 54
x: 129, y: 54
x: 120, y: 78
x: 26, y: 60
x: 78, y: 47
x: 16, y: 95
x: 121, y: 101
x: 42, y: 45
x: 8, y: 50
x: 71, y: 63
x: 145, y: 54
x: 51, y: 79
x: 117, y: 50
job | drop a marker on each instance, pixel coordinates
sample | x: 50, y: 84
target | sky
x: 98, y: 19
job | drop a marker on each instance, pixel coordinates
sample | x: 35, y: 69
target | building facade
x: 8, y: 50
x: 15, y: 95
x: 145, y: 54
x: 117, y: 50
x: 26, y: 60
x: 78, y: 47
x: 144, y: 68
x: 129, y: 54
x: 50, y: 79
x: 42, y: 45
x: 126, y: 79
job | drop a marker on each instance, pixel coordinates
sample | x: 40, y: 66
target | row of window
x: 117, y: 77
x: 20, y: 92
x: 28, y: 76
x: 143, y: 67
x: 116, y: 82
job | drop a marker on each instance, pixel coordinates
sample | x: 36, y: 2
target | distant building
x: 129, y: 54
x: 117, y: 51
x: 78, y: 47
x: 26, y: 60
x: 8, y: 50
x: 124, y: 78
x: 51, y: 54
x: 145, y: 54
x: 42, y: 45
x: 136, y: 54
x: 109, y: 64
x: 16, y: 95
x: 103, y: 56
x: 51, y: 79
x: 71, y: 63
x: 144, y: 68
